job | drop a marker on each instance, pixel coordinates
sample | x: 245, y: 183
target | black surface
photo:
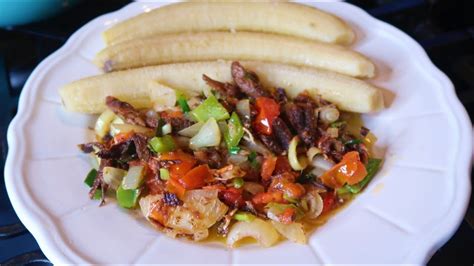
x: 444, y: 28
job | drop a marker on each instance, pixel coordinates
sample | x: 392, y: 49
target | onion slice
x: 297, y: 163
x: 209, y: 135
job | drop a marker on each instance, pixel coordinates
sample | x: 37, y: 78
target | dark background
x: 444, y: 28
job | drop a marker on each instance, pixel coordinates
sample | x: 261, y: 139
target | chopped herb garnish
x: 234, y: 150
x: 183, y: 104
x: 372, y: 167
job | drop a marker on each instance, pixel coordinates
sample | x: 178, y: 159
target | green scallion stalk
x: 234, y: 131
x: 243, y: 216
x: 210, y: 108
x: 162, y: 144
x: 127, y: 198
x: 164, y: 174
x: 90, y: 178
x: 234, y: 150
x: 183, y: 104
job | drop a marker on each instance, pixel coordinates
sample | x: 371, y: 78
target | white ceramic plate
x: 410, y: 209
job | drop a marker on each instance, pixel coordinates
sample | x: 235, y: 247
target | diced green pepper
x: 162, y: 144
x: 372, y: 167
x: 238, y: 182
x: 210, y: 108
x: 234, y: 131
x: 234, y: 150
x: 97, y: 195
x: 164, y: 174
x: 90, y: 178
x: 89, y: 181
x: 127, y: 198
x: 244, y: 216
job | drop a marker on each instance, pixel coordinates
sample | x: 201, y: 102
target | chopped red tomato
x: 329, y: 201
x: 175, y: 187
x: 350, y: 170
x: 285, y: 183
x: 268, y: 167
x: 218, y: 187
x: 196, y: 178
x: 282, y: 165
x: 267, y: 197
x: 268, y: 110
x: 288, y: 216
x: 186, y: 163
x: 171, y: 114
x: 232, y: 197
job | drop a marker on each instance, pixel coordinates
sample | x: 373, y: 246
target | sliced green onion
x: 234, y: 150
x: 162, y: 144
x: 238, y: 182
x: 289, y: 199
x: 210, y: 108
x: 253, y: 159
x: 127, y: 198
x: 353, y: 142
x: 372, y: 168
x: 164, y: 174
x: 90, y: 178
x: 252, y: 156
x: 234, y: 131
x: 183, y: 104
x: 113, y: 176
x: 134, y: 177
x: 244, y: 216
x: 89, y: 181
